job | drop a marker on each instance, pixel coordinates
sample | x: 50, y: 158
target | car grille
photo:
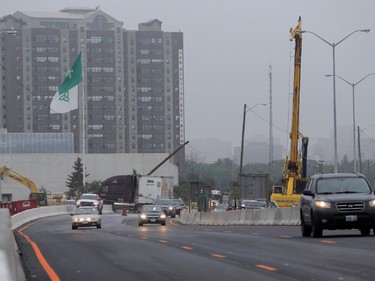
x: 87, y: 203
x: 350, y: 206
x: 153, y: 217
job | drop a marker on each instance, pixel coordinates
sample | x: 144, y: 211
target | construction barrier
x: 19, y: 206
x: 272, y: 216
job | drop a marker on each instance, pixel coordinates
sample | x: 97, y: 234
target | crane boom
x: 34, y: 191
x: 294, y: 172
x: 294, y: 135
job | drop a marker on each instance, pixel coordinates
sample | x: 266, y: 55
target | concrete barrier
x: 37, y: 213
x: 273, y: 216
x: 10, y: 263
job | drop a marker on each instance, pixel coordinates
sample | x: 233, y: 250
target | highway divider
x: 10, y: 263
x: 272, y: 216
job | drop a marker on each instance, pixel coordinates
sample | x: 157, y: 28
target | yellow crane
x: 294, y: 172
x: 34, y: 191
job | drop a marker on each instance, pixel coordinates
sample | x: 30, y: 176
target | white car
x: 86, y: 216
x: 90, y: 200
x: 253, y: 204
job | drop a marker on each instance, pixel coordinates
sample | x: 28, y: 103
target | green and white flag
x: 66, y: 98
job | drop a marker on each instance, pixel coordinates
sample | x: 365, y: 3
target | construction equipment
x: 40, y: 197
x: 294, y: 173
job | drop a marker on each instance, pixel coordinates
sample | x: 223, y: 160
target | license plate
x: 153, y: 220
x: 351, y: 218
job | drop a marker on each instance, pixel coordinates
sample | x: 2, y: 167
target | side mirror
x: 308, y: 192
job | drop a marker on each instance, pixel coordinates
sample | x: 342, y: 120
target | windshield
x: 343, y: 185
x: 88, y: 196
x: 176, y: 202
x: 149, y: 208
x: 85, y: 211
x: 163, y: 202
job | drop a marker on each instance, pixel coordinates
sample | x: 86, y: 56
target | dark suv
x: 179, y: 205
x: 337, y: 201
x: 167, y: 206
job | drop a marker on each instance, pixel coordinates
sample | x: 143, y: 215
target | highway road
x: 122, y: 250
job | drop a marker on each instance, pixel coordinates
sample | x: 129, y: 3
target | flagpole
x: 83, y: 116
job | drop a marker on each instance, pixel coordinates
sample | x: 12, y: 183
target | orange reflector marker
x: 186, y: 248
x: 218, y: 256
x: 328, y: 241
x: 163, y: 241
x: 262, y: 266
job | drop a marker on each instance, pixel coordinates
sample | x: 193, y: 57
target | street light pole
x: 354, y: 135
x: 333, y: 45
x: 245, y: 109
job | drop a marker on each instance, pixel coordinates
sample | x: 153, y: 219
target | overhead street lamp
x: 333, y: 45
x: 353, y: 86
x: 245, y: 109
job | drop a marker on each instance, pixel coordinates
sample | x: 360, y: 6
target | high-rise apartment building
x: 132, y: 96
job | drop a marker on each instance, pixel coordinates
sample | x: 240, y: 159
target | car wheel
x: 365, y: 231
x: 74, y: 227
x: 316, y: 229
x: 99, y: 226
x: 140, y: 224
x: 163, y: 223
x: 305, y: 229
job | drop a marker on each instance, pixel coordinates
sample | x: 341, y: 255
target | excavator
x: 294, y: 175
x: 40, y: 197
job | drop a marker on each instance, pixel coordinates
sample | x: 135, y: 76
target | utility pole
x: 270, y: 141
x: 359, y: 150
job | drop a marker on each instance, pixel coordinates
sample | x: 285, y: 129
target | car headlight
x: 143, y: 216
x: 162, y: 216
x: 322, y: 204
x: 170, y: 208
x: 371, y: 203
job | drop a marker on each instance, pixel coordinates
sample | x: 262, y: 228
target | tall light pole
x: 245, y: 109
x: 333, y: 45
x: 353, y: 86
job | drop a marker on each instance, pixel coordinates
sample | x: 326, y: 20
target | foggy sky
x: 229, y: 46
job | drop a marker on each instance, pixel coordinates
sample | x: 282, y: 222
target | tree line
x: 222, y: 175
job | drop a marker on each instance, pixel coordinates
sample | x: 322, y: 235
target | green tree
x: 75, y: 180
x: 92, y: 187
x: 182, y: 190
x: 345, y: 166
